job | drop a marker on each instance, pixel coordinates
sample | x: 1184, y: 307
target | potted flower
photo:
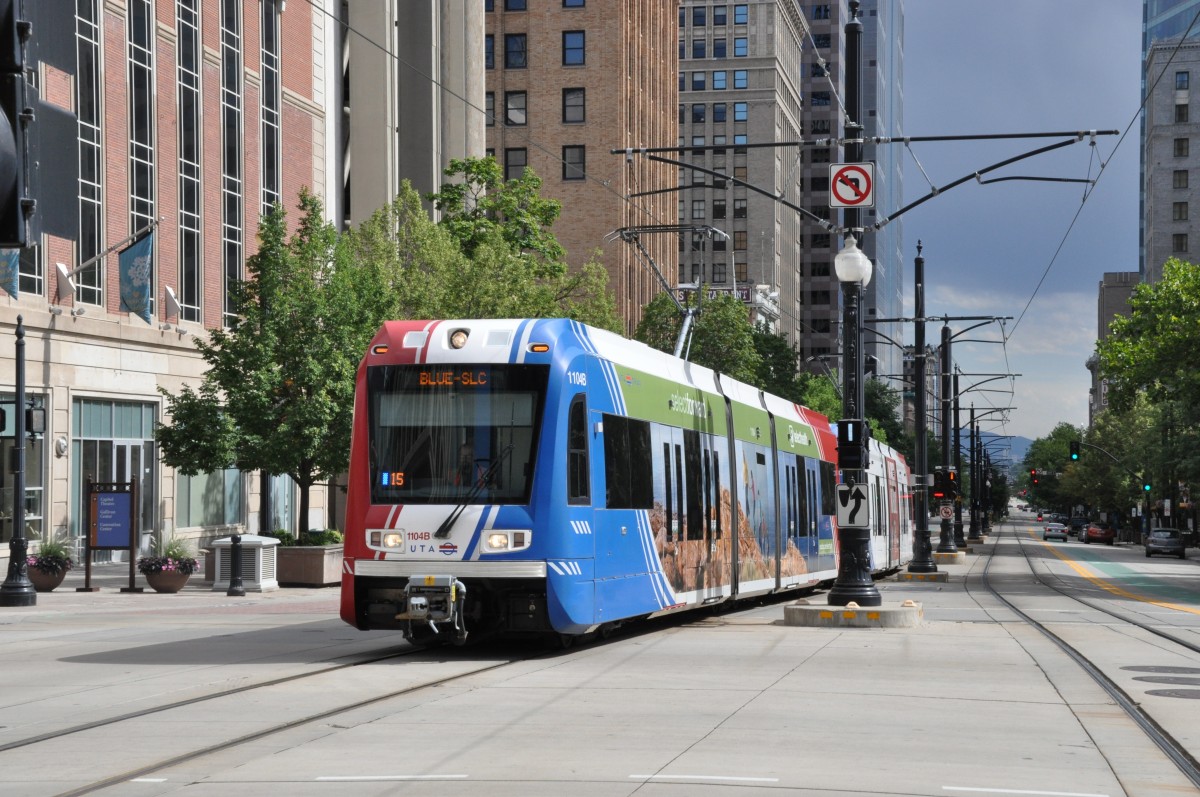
x: 48, y: 567
x: 169, y: 566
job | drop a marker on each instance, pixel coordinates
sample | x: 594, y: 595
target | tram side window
x: 693, y: 478
x: 801, y: 491
x: 627, y: 466
x: 578, y: 485
x: 828, y: 489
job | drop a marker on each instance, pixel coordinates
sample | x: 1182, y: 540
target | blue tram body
x: 540, y: 476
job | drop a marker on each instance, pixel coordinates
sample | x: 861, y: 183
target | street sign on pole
x: 853, y: 507
x: 852, y: 185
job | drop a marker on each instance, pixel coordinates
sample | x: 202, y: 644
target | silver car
x: 1165, y: 541
x: 1056, y: 530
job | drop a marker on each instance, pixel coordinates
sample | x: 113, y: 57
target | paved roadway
x: 971, y: 702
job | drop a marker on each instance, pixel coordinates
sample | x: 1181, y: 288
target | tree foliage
x: 721, y: 336
x: 278, y: 392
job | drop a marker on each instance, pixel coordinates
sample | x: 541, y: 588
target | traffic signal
x: 939, y: 484
x: 854, y: 441
x: 1074, y: 450
x: 1033, y: 475
x: 951, y: 484
x: 1146, y: 486
x: 15, y: 120
x: 39, y: 152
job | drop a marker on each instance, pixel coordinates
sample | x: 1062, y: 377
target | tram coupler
x: 435, y: 599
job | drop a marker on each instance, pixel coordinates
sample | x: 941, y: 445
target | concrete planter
x: 308, y: 565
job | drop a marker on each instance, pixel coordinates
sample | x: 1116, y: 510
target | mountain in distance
x: 1001, y: 448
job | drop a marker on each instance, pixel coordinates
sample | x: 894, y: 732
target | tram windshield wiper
x: 444, y: 529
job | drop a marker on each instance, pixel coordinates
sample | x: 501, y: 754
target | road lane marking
x: 705, y: 777
x: 1023, y: 791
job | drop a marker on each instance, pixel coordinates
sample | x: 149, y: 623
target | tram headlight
x: 458, y: 338
x: 393, y: 540
x: 507, y: 541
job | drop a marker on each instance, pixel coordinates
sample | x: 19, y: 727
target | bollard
x: 235, y: 567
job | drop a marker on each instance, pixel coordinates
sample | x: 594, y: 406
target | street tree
x: 281, y: 378
x: 721, y: 337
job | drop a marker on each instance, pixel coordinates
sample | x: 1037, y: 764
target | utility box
x: 258, y: 563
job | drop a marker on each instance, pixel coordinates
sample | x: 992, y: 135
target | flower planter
x: 308, y: 565
x: 167, y: 580
x: 46, y: 581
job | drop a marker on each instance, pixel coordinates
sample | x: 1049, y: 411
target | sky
x: 1035, y: 251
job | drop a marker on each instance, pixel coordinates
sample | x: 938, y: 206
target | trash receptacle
x: 258, y: 563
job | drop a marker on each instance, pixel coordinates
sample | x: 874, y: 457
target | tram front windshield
x: 454, y: 434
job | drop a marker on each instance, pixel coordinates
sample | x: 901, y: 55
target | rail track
x: 1172, y: 645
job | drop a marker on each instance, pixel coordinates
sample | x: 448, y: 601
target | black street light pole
x: 853, y: 583
x: 959, y: 540
x: 946, y: 543
x: 922, y: 561
x: 17, y: 589
x: 976, y: 444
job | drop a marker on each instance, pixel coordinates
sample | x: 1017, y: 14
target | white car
x: 1056, y: 530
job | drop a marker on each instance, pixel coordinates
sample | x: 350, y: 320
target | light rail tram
x: 545, y: 477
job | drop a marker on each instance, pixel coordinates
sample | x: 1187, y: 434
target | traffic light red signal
x: 1033, y: 476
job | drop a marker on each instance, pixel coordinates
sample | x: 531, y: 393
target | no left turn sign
x: 852, y: 185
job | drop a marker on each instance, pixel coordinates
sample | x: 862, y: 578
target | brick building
x: 194, y: 117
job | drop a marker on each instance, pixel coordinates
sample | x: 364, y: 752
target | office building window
x: 682, y: 82
x: 187, y: 78
x: 1181, y: 148
x: 682, y: 113
x: 489, y: 52
x: 272, y: 103
x: 514, y: 5
x: 489, y: 5
x: 820, y: 11
x: 1181, y: 114
x: 718, y: 209
x: 739, y: 172
x: 739, y: 138
x: 741, y: 271
x: 698, y: 13
x: 719, y: 15
x: 1179, y: 211
x: 719, y: 270
x: 682, y: 49
x: 89, y: 283
x: 719, y: 80
x: 142, y: 156
x: 719, y: 48
x: 697, y: 81
x: 1181, y: 80
x: 515, y: 161
x: 739, y: 111
x: 739, y: 78
x: 741, y: 47
x: 698, y: 209
x: 697, y: 112
x: 490, y: 108
x: 1179, y: 179
x: 1179, y: 242
x: 573, y: 48
x: 740, y: 14
x: 573, y: 106
x: 822, y: 41
x: 718, y: 112
x: 514, y: 107
x: 739, y: 240
x: 573, y: 3
x: 232, y: 211
x: 698, y: 48
x: 682, y: 17
x: 516, y: 56
x: 574, y: 159
x: 739, y: 208
x: 818, y: 99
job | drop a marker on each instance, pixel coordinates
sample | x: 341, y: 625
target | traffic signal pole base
x: 17, y: 589
x: 854, y: 583
x: 894, y: 615
x: 933, y: 575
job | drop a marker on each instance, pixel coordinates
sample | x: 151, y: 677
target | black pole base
x: 946, y: 544
x: 236, y: 589
x: 17, y: 589
x: 854, y: 582
x: 922, y: 561
x: 922, y: 567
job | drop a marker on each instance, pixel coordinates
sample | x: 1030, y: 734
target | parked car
x: 1165, y: 541
x: 1077, y: 525
x: 1056, y: 530
x: 1097, y: 532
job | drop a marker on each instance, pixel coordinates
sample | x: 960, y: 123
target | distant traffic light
x: 1033, y: 475
x: 1074, y: 450
x: 951, y: 484
x: 1146, y: 486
